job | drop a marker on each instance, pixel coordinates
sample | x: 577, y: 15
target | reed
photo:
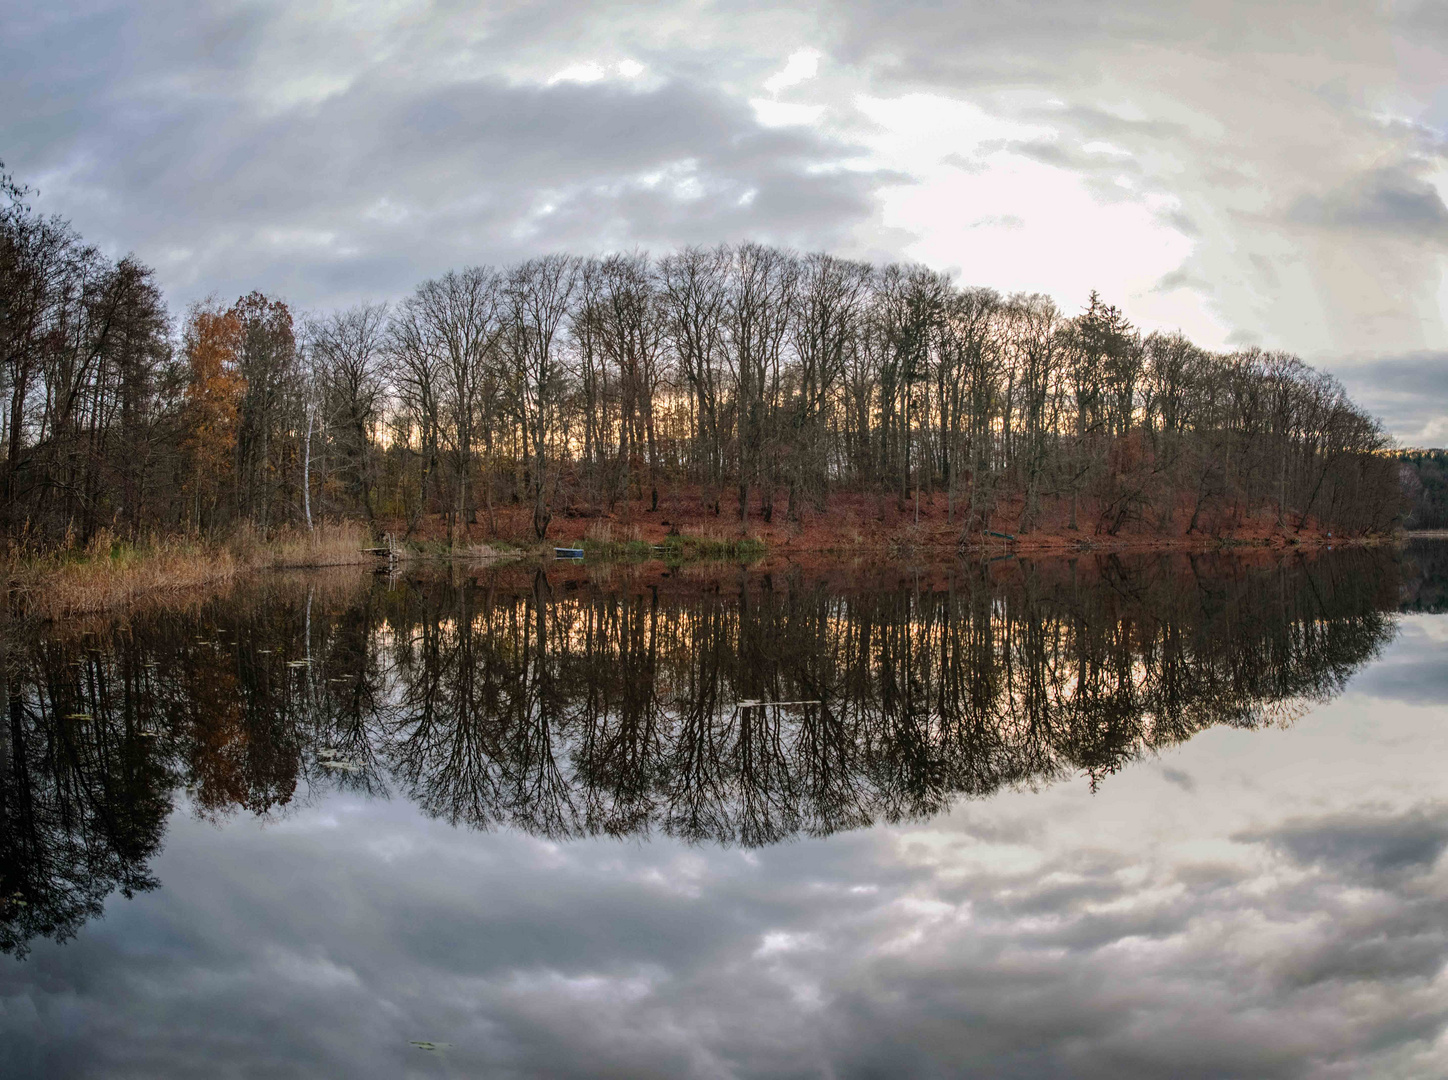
x: 487, y: 553
x: 329, y: 544
x: 109, y: 573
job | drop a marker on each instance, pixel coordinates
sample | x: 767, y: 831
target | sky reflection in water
x: 1253, y: 888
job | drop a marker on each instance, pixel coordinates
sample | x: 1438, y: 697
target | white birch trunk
x: 307, y: 471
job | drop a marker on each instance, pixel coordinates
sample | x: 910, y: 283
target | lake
x: 1145, y: 816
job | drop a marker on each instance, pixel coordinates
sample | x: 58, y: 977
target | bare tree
x: 538, y: 294
x: 831, y: 303
x: 694, y: 288
x: 757, y: 317
x: 347, y: 351
x: 746, y: 367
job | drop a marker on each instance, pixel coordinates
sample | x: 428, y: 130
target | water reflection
x: 717, y: 706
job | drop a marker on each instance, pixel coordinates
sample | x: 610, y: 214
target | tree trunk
x: 307, y: 474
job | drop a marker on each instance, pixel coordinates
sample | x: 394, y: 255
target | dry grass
x: 108, y: 573
x: 105, y: 575
x: 336, y: 586
x: 608, y: 532
x: 486, y: 553
x: 336, y: 544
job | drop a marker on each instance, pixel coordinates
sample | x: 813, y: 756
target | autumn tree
x: 211, y: 344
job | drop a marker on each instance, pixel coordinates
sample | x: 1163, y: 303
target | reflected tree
x: 721, y: 706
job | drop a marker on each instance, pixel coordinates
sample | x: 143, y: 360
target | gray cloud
x: 1307, y: 200
x: 480, y: 172
x: 1371, y: 849
x: 1408, y: 392
x: 1181, y: 279
x: 1180, y: 779
x: 331, y: 155
x: 1423, y: 373
x: 227, y: 169
x: 334, y: 936
x: 1412, y: 673
x: 1425, y: 684
x: 1392, y: 201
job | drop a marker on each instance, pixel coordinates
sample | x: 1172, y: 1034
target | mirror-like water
x: 1118, y: 816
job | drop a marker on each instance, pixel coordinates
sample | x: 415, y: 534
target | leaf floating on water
x: 430, y: 1047
x: 299, y: 663
x: 78, y: 716
x: 327, y: 752
x: 343, y: 764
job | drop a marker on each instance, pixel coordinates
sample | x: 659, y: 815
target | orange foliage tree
x: 214, y: 390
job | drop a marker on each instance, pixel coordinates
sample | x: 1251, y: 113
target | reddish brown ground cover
x: 859, y: 523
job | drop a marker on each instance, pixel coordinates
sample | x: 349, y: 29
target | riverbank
x: 108, y: 573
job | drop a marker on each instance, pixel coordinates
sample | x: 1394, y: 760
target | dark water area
x: 1145, y: 816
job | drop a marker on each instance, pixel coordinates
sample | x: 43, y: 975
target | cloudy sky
x: 1251, y: 173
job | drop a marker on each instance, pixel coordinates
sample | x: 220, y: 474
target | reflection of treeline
x: 749, y: 376
x: 1425, y: 577
x: 589, y: 710
x: 743, y: 710
x: 101, y: 729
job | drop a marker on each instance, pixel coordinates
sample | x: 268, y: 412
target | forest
x: 1424, y: 476
x: 740, y: 384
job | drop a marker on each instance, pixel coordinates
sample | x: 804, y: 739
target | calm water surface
x: 1147, y: 817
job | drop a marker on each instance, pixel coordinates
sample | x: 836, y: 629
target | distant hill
x: 1424, y: 474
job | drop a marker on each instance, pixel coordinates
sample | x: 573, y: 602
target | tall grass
x: 329, y: 544
x: 108, y: 573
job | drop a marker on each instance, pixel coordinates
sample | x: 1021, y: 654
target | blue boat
x: 567, y: 553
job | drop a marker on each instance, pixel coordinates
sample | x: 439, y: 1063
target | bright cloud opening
x: 802, y: 64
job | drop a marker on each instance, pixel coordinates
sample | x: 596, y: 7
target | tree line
x: 747, y: 709
x: 1424, y: 477
x: 759, y: 381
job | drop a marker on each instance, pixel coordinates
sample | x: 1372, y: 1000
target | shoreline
x: 106, y: 578
x: 1035, y: 544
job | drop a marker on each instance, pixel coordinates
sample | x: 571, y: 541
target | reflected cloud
x: 730, y: 708
x: 1195, y: 919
